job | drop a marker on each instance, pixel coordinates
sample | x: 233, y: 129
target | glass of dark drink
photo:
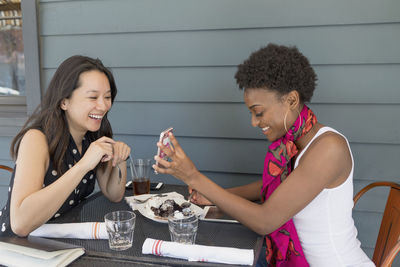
x: 141, y: 176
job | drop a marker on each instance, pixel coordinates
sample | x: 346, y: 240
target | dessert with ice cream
x: 163, y: 208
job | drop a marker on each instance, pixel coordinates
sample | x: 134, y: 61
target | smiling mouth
x: 96, y: 117
x: 265, y: 129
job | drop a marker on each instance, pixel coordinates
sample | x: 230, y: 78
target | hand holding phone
x: 164, y: 139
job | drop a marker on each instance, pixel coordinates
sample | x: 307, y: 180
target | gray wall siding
x: 5, y: 175
x: 174, y: 63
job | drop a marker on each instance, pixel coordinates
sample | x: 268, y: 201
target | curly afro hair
x: 279, y: 68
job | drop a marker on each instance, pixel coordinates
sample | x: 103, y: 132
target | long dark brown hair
x: 50, y: 118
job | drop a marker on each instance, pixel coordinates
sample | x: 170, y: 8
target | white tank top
x: 325, y: 226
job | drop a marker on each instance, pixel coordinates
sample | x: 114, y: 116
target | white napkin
x: 87, y: 230
x: 198, y: 252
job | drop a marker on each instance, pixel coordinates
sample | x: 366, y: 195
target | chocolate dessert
x: 168, y: 207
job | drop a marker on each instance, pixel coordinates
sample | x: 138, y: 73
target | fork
x: 119, y: 174
x: 145, y: 200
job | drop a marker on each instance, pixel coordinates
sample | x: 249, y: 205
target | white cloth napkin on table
x: 198, y: 252
x: 86, y: 230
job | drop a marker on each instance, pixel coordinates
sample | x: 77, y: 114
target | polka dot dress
x: 84, y: 188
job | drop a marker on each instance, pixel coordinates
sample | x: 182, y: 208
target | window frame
x: 14, y: 110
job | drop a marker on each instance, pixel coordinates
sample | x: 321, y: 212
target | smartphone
x: 128, y: 185
x: 214, y: 214
x: 164, y: 139
x: 153, y: 186
x: 156, y: 186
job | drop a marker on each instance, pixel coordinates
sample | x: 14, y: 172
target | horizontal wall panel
x: 373, y: 200
x: 5, y: 142
x: 13, y: 109
x: 363, y: 123
x: 336, y: 84
x: 376, y: 162
x: 396, y: 261
x: 3, y: 196
x: 323, y: 45
x: 229, y: 164
x: 5, y: 175
x: 370, y: 252
x: 13, y: 121
x: 224, y: 155
x: 232, y: 152
x: 228, y: 180
x: 9, y: 130
x: 367, y: 224
x: 232, y: 156
x: 197, y: 84
x: 233, y: 120
x: 357, y: 84
x: 188, y: 119
x: 225, y: 180
x: 176, y: 15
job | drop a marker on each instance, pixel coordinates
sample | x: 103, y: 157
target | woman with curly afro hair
x: 306, y: 189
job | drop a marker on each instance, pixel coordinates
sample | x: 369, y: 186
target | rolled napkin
x: 198, y: 252
x: 86, y: 230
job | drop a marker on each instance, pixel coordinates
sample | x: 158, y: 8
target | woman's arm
x: 32, y: 204
x: 250, y: 192
x: 108, y: 174
x: 326, y: 162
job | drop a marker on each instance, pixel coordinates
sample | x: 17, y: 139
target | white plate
x: 146, y: 211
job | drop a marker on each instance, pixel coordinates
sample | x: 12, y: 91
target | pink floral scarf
x: 283, y: 245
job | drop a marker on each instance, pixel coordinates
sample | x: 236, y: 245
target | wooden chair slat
x: 388, y: 242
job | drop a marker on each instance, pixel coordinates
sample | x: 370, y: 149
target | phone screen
x: 156, y: 186
x: 213, y: 213
x: 164, y: 139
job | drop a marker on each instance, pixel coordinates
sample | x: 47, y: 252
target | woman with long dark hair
x: 64, y: 147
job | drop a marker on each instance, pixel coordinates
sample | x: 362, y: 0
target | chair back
x: 4, y: 167
x: 389, y: 232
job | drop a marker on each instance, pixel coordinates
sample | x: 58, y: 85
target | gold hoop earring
x: 284, y: 120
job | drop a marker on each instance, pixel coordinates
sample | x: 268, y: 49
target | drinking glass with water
x: 120, y: 228
x: 183, y: 227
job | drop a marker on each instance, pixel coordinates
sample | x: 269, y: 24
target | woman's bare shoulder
x: 34, y: 135
x: 331, y: 141
x: 330, y: 152
x: 34, y: 142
